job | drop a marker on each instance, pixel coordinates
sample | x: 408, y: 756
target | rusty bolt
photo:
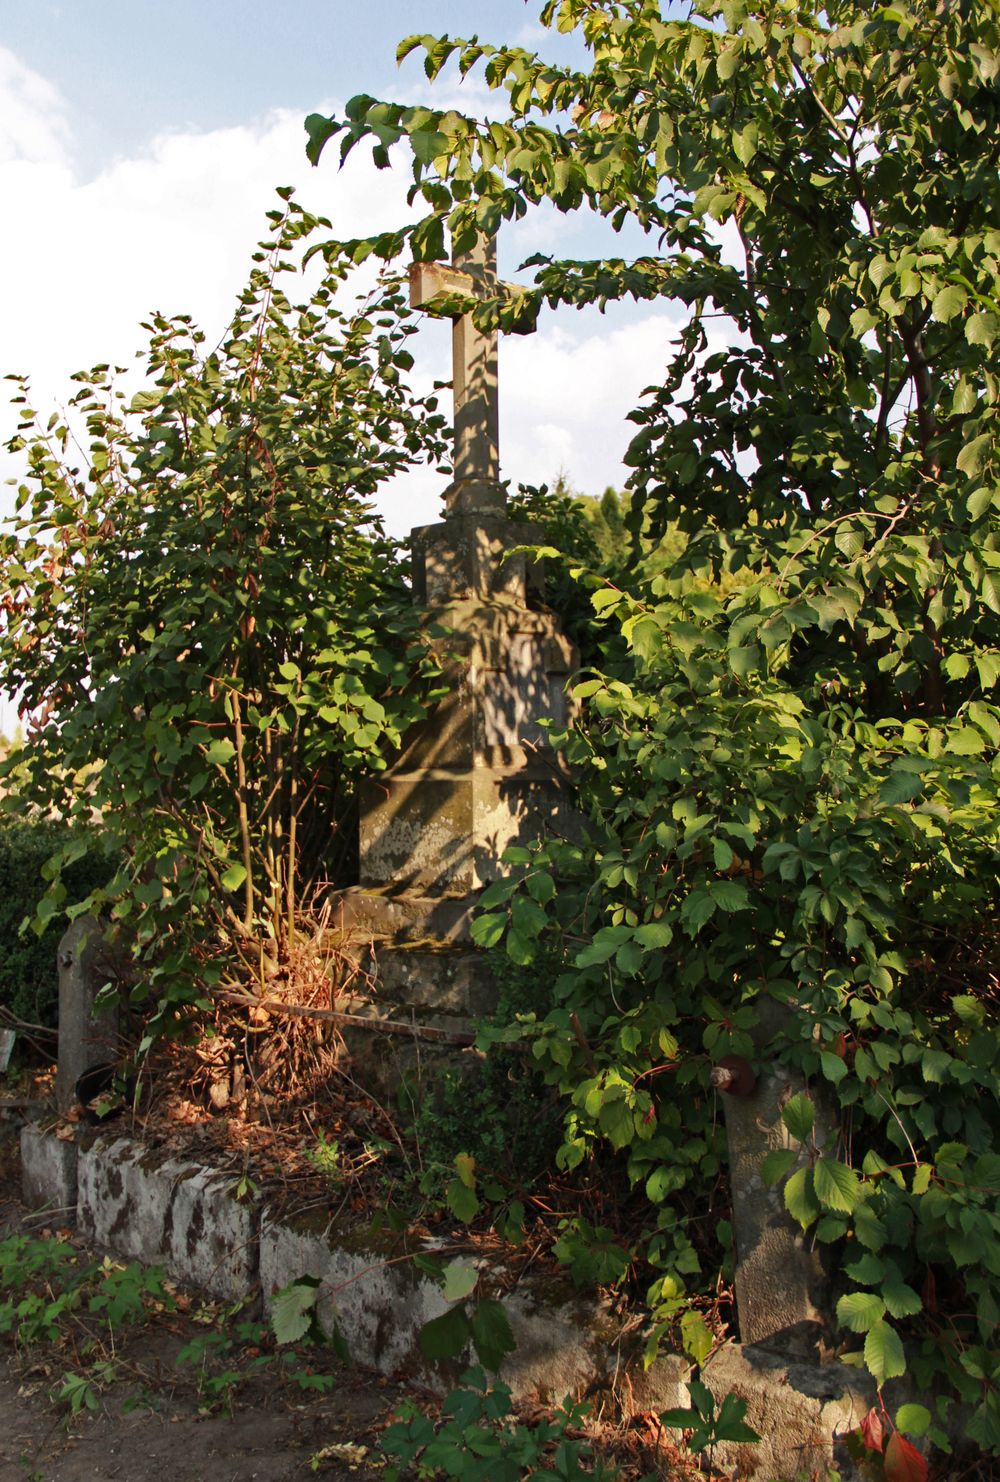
x: 734, y: 1075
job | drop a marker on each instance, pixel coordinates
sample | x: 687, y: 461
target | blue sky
x: 132, y: 68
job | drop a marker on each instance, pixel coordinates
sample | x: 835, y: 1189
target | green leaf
x: 981, y: 328
x: 729, y: 60
x: 520, y: 949
x: 833, y: 1066
x: 973, y: 457
x: 234, y: 877
x: 602, y: 601
x: 730, y: 1424
x: 460, y: 1279
x: 800, y: 1199
x: 293, y: 1311
x: 220, y: 752
x: 913, y: 1419
x: 447, y: 1336
x: 491, y: 1334
x: 465, y: 1167
x: 777, y: 1163
x: 527, y: 917
x: 461, y: 1200
x: 541, y: 887
x: 900, y: 1299
x: 654, y: 934
x: 860, y: 1311
x: 836, y: 1185
x: 487, y: 930
x: 797, y: 1115
x: 319, y: 130
x: 745, y: 659
x: 884, y: 1355
x: 696, y: 1336
x: 951, y: 300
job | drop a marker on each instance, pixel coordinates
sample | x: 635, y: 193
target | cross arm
x: 439, y: 289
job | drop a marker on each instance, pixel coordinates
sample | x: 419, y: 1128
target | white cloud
x: 567, y: 393
x: 33, y: 126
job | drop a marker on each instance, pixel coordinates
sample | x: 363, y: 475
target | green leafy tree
x: 210, y: 633
x: 793, y: 783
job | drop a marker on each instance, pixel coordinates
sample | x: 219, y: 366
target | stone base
x: 797, y: 1409
x: 184, y: 1216
x: 423, y: 972
x: 48, y: 1172
x: 392, y: 914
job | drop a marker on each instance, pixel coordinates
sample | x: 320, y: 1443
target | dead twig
x: 337, y: 1016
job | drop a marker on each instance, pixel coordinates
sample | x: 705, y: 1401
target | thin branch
x: 335, y: 1016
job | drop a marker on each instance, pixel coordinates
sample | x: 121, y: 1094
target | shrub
x: 29, y: 985
x: 211, y: 634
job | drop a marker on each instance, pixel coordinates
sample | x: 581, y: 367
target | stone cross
x: 476, y: 487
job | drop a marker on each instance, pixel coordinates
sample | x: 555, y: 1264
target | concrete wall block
x: 380, y: 1304
x: 379, y: 1308
x: 48, y: 1172
x: 800, y: 1410
x: 165, y: 1212
x: 564, y: 1344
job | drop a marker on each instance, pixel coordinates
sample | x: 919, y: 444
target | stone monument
x: 477, y: 774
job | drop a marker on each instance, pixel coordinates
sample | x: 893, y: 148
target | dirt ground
x: 155, y: 1422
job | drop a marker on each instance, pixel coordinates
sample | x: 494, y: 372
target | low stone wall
x: 187, y: 1218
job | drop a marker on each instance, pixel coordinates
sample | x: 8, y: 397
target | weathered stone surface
x: 380, y: 1300
x: 442, y: 980
x: 473, y: 274
x: 165, y: 1212
x: 87, y: 1037
x: 379, y: 1307
x: 477, y: 774
x: 564, y: 1343
x: 48, y: 1171
x: 394, y: 915
x: 184, y: 1216
x: 466, y: 556
x: 798, y: 1409
x: 434, y: 832
x: 663, y: 1386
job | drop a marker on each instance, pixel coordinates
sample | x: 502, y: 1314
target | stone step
x: 439, y: 979
x: 390, y: 915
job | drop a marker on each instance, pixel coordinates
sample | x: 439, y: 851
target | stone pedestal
x: 478, y: 774
x: 474, y: 777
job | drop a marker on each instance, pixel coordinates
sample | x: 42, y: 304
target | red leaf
x: 873, y: 1431
x: 903, y: 1462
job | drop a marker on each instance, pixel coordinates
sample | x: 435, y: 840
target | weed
x: 478, y: 1440
x: 708, y: 1425
x: 324, y: 1156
